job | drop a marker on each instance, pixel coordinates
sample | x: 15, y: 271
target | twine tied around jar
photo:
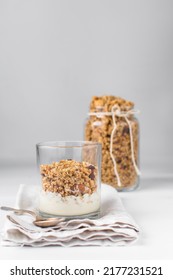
x: 116, y: 112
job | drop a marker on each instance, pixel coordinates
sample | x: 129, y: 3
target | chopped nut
x: 91, y: 167
x: 92, y: 176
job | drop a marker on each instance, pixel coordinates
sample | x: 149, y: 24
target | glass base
x: 93, y: 215
x: 128, y: 188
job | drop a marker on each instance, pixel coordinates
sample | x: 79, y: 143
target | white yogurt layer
x: 55, y: 204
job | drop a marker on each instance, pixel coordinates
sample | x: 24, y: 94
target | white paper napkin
x: 114, y: 227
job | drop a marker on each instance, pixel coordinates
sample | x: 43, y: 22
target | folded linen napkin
x: 114, y: 226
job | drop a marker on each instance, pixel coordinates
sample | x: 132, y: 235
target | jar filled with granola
x: 70, y: 179
x: 112, y: 122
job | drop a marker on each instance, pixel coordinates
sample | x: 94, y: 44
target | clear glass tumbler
x: 70, y: 179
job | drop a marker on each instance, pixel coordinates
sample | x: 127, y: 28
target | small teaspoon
x: 39, y: 221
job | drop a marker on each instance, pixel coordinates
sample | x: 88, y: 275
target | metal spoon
x: 39, y: 221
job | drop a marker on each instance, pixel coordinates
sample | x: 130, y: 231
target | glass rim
x: 67, y: 144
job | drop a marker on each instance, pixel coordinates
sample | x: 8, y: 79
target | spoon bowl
x: 49, y: 222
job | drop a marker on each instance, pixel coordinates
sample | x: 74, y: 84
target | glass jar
x: 70, y: 179
x: 112, y: 123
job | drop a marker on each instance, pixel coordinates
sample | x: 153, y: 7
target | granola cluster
x: 105, y: 103
x: 99, y: 129
x: 69, y: 177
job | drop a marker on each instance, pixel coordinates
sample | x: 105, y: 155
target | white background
x: 56, y: 54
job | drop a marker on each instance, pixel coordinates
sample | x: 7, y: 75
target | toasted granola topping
x: 69, y: 177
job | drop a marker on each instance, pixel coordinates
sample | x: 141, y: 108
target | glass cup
x: 70, y: 179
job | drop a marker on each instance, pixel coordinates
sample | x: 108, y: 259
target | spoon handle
x: 18, y: 211
x: 12, y: 220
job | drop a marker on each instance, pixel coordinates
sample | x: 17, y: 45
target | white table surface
x: 151, y: 206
